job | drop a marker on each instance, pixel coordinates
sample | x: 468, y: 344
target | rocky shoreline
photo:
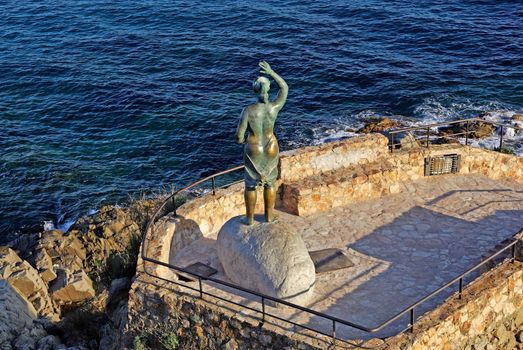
x: 69, y: 290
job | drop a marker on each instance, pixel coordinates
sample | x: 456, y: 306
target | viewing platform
x: 400, y: 248
x: 393, y: 232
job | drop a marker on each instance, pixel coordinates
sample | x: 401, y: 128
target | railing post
x: 391, y: 140
x: 501, y: 138
x: 200, y: 287
x: 513, y: 254
x: 333, y: 332
x: 213, y: 186
x: 460, y: 288
x: 263, y: 309
x: 467, y: 133
x: 428, y: 137
x: 412, y: 320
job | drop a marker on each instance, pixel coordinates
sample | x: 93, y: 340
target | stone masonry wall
x: 494, y: 165
x: 489, y: 317
x: 210, y: 211
x: 158, y: 309
x: 340, y: 187
x: 316, y: 160
x: 352, y: 183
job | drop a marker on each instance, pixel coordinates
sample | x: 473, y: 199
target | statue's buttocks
x: 261, y: 163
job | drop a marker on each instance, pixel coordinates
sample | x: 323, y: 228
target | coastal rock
x: 58, y: 261
x: 17, y: 313
x: 110, y: 230
x: 517, y: 117
x: 378, y: 125
x: 476, y: 129
x: 8, y: 262
x: 444, y: 141
x: 24, y: 244
x: 72, y: 287
x: 63, y: 249
x: 53, y: 271
x: 19, y: 327
x: 49, y: 342
x: 44, y: 265
x: 25, y: 341
x: 270, y: 258
x: 508, y: 133
x: 56, y: 249
x: 119, y: 284
x: 26, y: 281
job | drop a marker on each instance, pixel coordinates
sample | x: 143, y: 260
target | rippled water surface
x: 99, y: 100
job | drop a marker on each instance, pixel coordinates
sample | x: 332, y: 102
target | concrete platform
x: 403, y: 247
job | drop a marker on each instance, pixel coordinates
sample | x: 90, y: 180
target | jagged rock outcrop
x: 72, y: 287
x: 27, y: 282
x: 111, y: 230
x: 59, y: 259
x: 19, y: 326
x: 16, y: 314
x: 475, y: 129
x: 44, y: 264
x: 52, y: 271
x: 379, y: 125
x: 408, y: 141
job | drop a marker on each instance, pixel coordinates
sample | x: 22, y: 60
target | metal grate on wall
x: 446, y: 164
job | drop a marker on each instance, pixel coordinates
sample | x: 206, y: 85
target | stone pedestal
x: 270, y: 258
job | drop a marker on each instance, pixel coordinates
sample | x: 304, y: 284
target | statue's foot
x: 271, y: 218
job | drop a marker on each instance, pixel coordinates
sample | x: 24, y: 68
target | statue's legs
x: 250, y: 203
x: 269, y: 199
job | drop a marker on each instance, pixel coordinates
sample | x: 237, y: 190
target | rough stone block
x: 270, y: 258
x: 72, y: 287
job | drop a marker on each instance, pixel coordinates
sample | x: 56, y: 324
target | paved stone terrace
x: 404, y: 246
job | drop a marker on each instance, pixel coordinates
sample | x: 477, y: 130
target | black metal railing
x: 263, y: 298
x: 423, y: 133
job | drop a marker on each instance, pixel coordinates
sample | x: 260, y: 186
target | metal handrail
x: 335, y: 320
x: 427, y: 128
x: 173, y: 195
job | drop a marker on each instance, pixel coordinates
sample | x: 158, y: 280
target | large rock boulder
x: 379, y: 125
x: 72, y: 287
x: 476, y: 130
x: 270, y: 258
x: 16, y: 314
x: 27, y: 282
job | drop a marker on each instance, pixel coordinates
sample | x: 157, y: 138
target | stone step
x: 340, y: 187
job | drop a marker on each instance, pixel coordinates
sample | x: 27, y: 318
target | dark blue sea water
x: 100, y: 100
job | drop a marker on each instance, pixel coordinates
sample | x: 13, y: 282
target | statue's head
x: 261, y: 87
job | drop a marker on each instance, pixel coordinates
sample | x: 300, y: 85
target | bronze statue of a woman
x: 261, y: 152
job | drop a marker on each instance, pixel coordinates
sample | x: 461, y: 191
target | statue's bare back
x: 261, y: 138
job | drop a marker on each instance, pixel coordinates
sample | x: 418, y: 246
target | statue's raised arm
x: 284, y: 89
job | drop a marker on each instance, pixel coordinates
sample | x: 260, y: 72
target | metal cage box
x: 439, y: 165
